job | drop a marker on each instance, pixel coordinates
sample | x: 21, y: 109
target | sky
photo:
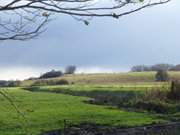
x: 106, y: 45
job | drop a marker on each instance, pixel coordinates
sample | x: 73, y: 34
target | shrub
x: 153, y: 106
x: 10, y: 83
x: 154, y: 100
x: 51, y: 74
x: 3, y: 83
x: 161, y: 76
x: 155, y: 94
x: 174, y: 93
x: 14, y: 83
x: 50, y: 82
x: 62, y: 82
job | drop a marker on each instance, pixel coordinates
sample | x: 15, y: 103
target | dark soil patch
x: 92, y: 129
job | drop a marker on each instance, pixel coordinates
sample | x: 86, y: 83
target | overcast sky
x: 147, y: 37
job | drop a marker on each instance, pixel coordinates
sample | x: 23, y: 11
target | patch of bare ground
x: 93, y: 129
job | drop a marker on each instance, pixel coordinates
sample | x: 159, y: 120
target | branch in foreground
x: 25, y: 19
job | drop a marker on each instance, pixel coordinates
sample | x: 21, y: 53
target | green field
x: 44, y: 108
x: 47, y: 111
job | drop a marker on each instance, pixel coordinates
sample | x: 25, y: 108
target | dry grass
x: 111, y: 78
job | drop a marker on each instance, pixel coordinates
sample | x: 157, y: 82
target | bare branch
x: 25, y: 19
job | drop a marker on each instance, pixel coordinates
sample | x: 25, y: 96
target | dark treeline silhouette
x: 156, y: 67
x: 10, y: 83
x: 58, y: 73
x: 51, y: 74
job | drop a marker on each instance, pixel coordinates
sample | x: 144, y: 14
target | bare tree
x: 70, y: 69
x: 25, y: 19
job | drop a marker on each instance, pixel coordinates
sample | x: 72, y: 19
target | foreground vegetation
x: 34, y: 109
x: 47, y: 111
x: 142, y: 98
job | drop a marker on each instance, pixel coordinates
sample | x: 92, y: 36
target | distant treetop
x: 70, y: 69
x: 156, y: 67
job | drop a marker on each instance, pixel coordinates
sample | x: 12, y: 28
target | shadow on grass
x: 153, y: 101
x: 128, y: 100
x: 100, y: 97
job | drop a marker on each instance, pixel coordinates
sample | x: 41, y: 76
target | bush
x: 10, y: 83
x: 153, y: 106
x: 62, y: 82
x: 51, y: 74
x: 50, y: 82
x: 174, y: 93
x: 161, y: 76
x: 14, y: 83
x: 3, y: 83
x: 155, y: 94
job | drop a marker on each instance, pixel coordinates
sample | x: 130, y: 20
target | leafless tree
x: 25, y: 19
x: 70, y: 69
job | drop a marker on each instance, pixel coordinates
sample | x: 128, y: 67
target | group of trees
x: 157, y: 67
x: 10, y: 83
x: 53, y: 73
x: 160, y: 69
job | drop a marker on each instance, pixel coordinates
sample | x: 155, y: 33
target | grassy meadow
x: 134, y: 78
x: 47, y: 111
x: 105, y: 99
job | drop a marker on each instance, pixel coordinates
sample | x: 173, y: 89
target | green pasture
x: 46, y: 108
x: 42, y: 111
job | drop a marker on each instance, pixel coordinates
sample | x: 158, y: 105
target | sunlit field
x: 134, y: 78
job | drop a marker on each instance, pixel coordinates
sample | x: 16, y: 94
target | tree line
x: 53, y: 73
x: 156, y: 67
